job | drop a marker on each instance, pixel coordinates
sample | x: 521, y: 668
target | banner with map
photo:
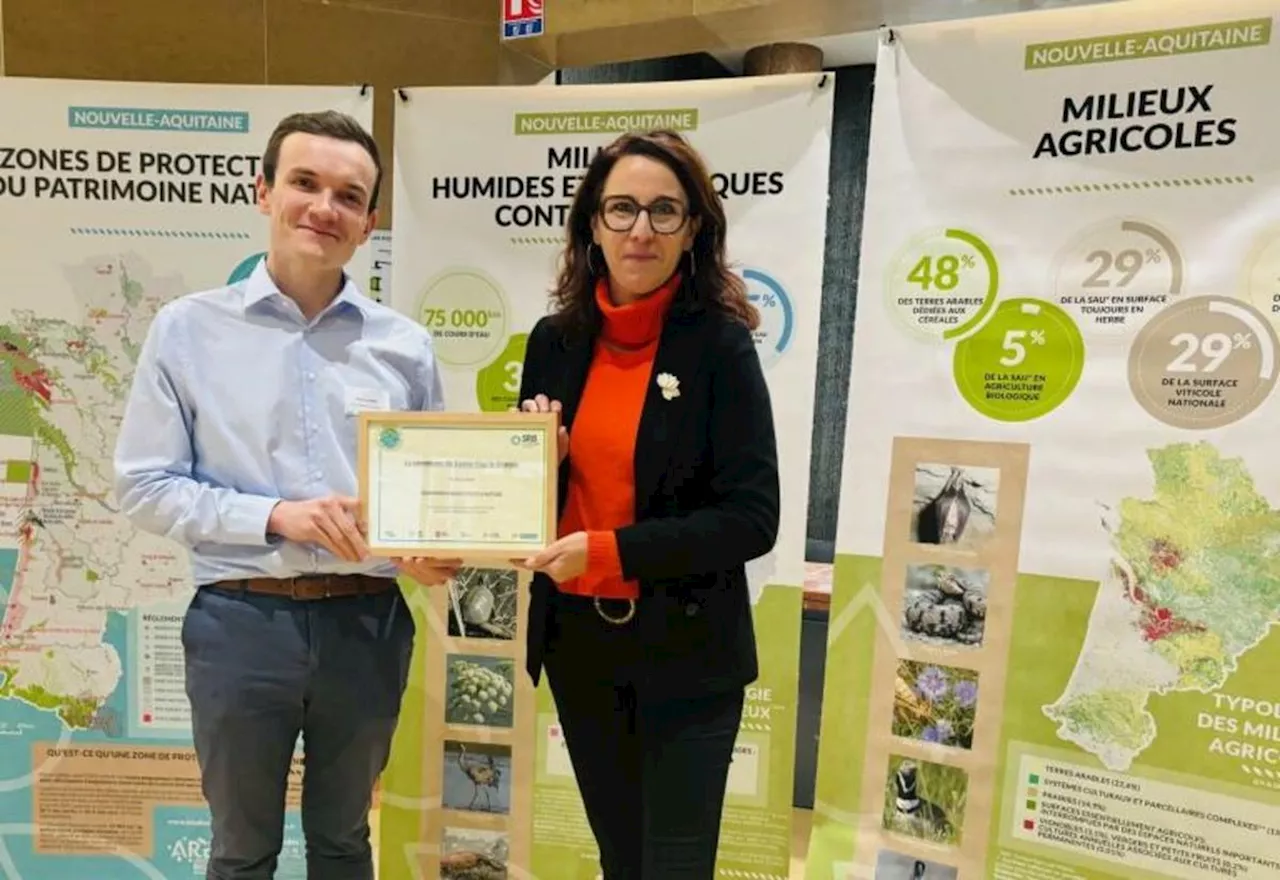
x: 479, y: 225
x: 1052, y: 649
x: 114, y: 199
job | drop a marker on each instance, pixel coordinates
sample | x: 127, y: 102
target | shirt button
x: 311, y: 377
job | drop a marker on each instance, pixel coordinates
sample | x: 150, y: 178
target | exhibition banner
x: 484, y: 179
x: 114, y: 199
x: 1052, y: 651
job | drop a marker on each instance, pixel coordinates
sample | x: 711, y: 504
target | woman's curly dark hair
x: 710, y: 285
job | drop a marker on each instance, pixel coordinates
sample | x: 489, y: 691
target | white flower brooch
x: 669, y: 384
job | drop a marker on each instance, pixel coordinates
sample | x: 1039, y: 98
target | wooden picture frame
x: 481, y: 487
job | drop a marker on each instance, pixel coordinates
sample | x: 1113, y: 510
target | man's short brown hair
x: 325, y: 123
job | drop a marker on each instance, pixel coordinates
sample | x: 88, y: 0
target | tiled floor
x: 799, y: 840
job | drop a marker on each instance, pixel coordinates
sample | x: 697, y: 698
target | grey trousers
x: 262, y: 671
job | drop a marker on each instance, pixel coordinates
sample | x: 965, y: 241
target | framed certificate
x: 475, y: 486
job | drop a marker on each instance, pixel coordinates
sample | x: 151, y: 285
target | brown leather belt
x: 311, y: 587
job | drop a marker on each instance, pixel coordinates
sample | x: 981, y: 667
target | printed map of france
x: 1194, y: 584
x: 67, y: 557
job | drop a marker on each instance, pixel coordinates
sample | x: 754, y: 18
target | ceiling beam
x: 581, y: 33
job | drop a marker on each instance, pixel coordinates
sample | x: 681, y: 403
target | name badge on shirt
x: 364, y: 399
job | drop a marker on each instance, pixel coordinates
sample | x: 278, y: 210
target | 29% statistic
x: 1128, y: 263
x: 1215, y: 348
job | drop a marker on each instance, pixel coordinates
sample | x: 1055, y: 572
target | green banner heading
x: 159, y: 119
x: 605, y: 121
x: 1243, y: 34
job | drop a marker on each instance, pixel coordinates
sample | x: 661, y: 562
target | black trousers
x: 652, y: 774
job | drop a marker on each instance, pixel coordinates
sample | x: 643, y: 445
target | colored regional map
x: 1194, y: 584
x: 67, y: 558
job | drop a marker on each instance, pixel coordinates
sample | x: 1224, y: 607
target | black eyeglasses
x: 666, y: 216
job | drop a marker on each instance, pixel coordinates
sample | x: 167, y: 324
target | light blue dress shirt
x: 239, y: 402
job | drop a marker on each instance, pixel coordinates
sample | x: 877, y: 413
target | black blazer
x: 706, y: 490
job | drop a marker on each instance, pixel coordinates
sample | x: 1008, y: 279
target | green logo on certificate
x: 389, y: 438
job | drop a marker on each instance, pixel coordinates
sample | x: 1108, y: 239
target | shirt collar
x: 260, y: 286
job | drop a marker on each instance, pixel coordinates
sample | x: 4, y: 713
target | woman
x: 640, y: 613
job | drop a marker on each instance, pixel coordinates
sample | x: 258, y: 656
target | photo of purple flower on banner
x: 935, y: 704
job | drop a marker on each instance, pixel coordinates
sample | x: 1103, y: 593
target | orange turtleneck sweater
x: 601, y: 495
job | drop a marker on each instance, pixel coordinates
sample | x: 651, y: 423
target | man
x: 238, y: 441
